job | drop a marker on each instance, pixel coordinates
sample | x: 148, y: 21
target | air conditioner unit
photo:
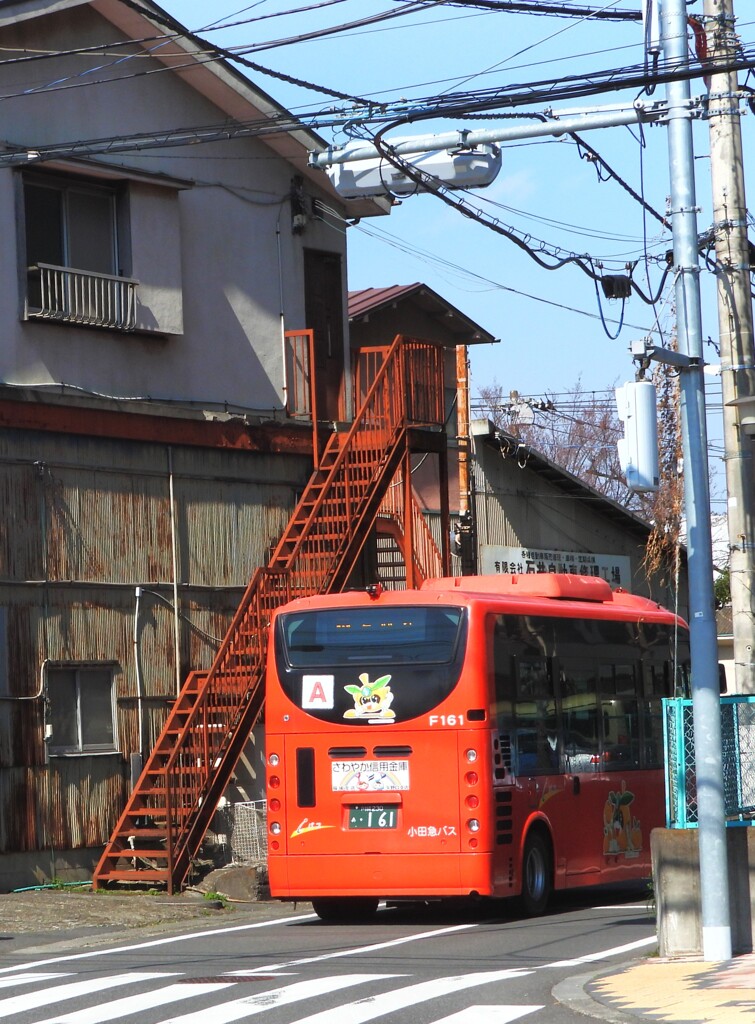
x: 471, y: 168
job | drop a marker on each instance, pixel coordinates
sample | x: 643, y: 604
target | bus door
x: 584, y: 780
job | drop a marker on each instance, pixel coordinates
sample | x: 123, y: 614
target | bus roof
x: 541, y: 589
x: 563, y: 586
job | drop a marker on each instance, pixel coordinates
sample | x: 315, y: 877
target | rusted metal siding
x: 20, y: 549
x: 86, y: 522
x: 72, y: 802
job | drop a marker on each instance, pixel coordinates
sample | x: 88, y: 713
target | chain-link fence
x: 738, y: 754
x: 249, y: 833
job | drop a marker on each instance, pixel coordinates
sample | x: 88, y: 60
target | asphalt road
x: 410, y: 966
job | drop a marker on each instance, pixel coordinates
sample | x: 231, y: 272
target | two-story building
x: 163, y: 245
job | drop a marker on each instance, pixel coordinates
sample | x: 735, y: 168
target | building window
x: 80, y: 709
x: 72, y: 247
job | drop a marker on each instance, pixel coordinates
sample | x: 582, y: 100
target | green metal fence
x: 738, y: 752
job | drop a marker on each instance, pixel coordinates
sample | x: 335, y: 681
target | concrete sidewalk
x: 672, y: 991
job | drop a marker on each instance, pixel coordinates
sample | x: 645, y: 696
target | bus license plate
x: 373, y: 817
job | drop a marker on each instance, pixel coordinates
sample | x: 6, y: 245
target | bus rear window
x: 370, y: 665
x: 346, y: 635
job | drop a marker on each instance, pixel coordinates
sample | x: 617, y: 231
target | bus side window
x: 579, y: 710
x: 537, y: 747
x: 537, y: 739
x: 501, y: 671
x: 652, y: 732
x: 621, y: 734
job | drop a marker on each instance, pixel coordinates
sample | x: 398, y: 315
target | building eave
x: 218, y: 81
x: 366, y: 301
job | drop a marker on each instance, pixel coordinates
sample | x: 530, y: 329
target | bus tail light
x: 275, y: 804
x: 472, y: 801
x: 471, y: 778
x: 273, y: 782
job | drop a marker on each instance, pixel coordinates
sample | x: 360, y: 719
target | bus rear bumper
x: 416, y: 875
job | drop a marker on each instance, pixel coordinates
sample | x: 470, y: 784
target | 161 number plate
x: 373, y: 816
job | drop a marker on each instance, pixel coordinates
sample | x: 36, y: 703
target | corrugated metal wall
x: 87, y: 521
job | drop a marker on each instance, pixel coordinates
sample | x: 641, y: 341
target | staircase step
x: 135, y: 875
x: 148, y: 833
x: 160, y: 853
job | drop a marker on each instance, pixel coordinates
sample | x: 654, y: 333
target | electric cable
x: 551, y: 9
x: 436, y: 187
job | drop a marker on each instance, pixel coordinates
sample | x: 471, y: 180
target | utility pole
x: 735, y: 328
x: 706, y: 707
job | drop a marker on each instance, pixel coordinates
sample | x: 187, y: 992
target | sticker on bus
x: 378, y: 776
x: 372, y: 700
x: 317, y: 692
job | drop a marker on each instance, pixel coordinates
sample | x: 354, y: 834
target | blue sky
x: 549, y: 322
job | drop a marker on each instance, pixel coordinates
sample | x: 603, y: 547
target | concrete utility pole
x: 734, y: 328
x: 706, y: 709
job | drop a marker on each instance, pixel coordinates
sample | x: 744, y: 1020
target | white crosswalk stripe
x: 488, y: 1015
x: 27, y: 979
x: 410, y: 995
x: 102, y: 999
x: 141, y: 1003
x: 258, y: 1003
x: 72, y: 990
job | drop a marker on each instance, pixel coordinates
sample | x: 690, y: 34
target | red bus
x: 479, y: 737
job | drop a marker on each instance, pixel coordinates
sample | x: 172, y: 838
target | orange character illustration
x: 622, y: 833
x: 371, y: 700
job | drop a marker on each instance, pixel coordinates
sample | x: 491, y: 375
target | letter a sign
x: 317, y: 692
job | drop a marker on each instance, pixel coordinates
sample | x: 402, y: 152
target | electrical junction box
x: 470, y: 168
x: 638, y: 449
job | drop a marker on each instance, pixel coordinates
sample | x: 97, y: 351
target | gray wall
x: 220, y: 271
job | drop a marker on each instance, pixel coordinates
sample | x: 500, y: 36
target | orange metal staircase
x: 173, y: 802
x: 401, y: 522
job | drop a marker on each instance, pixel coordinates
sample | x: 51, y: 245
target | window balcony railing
x: 81, y: 297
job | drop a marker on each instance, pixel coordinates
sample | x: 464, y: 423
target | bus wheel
x: 345, y: 909
x: 536, y: 875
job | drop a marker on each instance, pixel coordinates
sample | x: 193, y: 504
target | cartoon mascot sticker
x: 371, y: 700
x: 622, y: 832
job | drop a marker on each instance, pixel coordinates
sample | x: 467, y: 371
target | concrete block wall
x: 676, y: 883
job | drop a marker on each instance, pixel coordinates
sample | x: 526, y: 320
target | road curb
x: 573, y: 994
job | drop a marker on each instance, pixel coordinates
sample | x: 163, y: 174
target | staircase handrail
x: 215, y: 710
x: 195, y: 780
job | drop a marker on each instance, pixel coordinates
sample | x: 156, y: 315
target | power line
x: 550, y: 9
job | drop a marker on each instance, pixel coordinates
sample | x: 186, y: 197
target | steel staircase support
x: 173, y: 802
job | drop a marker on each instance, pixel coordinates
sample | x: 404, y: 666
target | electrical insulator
x: 638, y: 449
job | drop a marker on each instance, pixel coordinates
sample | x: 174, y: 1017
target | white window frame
x: 66, y: 188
